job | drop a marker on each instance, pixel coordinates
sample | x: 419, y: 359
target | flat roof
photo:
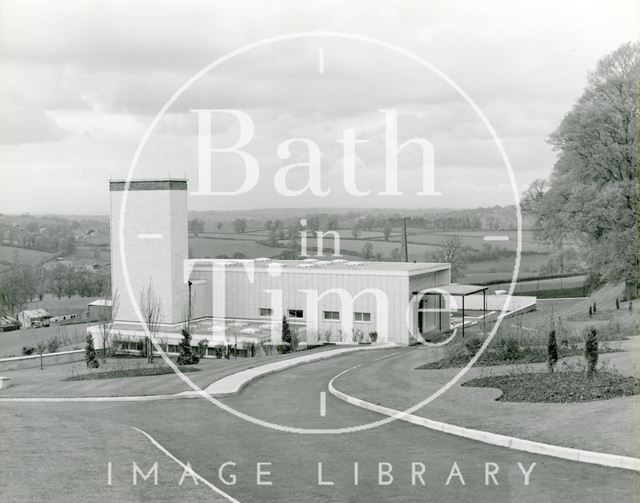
x: 324, y: 266
x: 148, y: 184
x: 101, y: 302
x: 456, y: 289
x: 35, y: 313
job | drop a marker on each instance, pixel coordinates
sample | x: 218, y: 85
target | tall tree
x: 451, y: 252
x: 196, y: 226
x: 240, y: 225
x: 387, y: 230
x: 590, y: 198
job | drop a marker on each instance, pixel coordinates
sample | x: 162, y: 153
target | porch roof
x: 456, y: 289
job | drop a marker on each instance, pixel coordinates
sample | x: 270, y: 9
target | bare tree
x: 150, y: 306
x: 105, y: 320
x: 40, y: 348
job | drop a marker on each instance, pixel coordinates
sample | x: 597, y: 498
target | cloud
x: 82, y: 80
x: 25, y: 123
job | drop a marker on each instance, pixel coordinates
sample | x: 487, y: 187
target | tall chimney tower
x: 155, y: 245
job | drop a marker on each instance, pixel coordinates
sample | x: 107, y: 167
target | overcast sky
x: 82, y: 80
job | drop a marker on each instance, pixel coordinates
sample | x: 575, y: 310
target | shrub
x: 186, y: 356
x: 473, y: 345
x: 53, y: 345
x: 595, y: 308
x: 590, y: 311
x: 373, y: 336
x: 90, y: 356
x: 508, y: 348
x: 28, y: 350
x: 591, y: 351
x: 286, y: 331
x: 552, y: 350
x: 203, y: 344
x: 617, y: 303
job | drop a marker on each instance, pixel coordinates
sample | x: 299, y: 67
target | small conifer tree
x: 617, y: 303
x: 187, y: 356
x: 90, y: 355
x: 552, y: 350
x: 591, y: 351
x: 590, y: 311
x: 595, y: 308
x: 286, y: 332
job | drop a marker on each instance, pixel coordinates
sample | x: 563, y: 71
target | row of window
x: 327, y: 315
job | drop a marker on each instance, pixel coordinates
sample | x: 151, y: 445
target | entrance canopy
x: 459, y: 290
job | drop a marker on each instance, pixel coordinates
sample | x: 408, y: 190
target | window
x: 296, y: 313
x: 265, y: 311
x: 361, y: 316
x: 331, y: 315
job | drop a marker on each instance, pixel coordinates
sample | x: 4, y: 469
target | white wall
x: 158, y: 262
x: 244, y: 298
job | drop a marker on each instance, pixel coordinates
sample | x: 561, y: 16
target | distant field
x: 11, y: 343
x: 26, y: 256
x: 84, y: 255
x: 54, y: 305
x: 203, y: 247
x: 475, y: 239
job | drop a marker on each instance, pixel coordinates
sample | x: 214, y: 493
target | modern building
x: 325, y: 300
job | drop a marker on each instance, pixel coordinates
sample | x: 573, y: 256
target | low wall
x: 32, y: 361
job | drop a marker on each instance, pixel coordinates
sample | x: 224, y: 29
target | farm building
x: 7, y: 324
x: 34, y: 318
x: 61, y: 318
x: 325, y: 300
x: 99, y: 309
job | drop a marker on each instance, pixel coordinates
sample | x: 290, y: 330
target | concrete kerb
x: 519, y: 444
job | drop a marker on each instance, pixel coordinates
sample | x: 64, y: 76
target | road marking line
x: 496, y: 238
x: 149, y: 236
x: 386, y: 356
x: 184, y: 466
x: 321, y: 60
x: 323, y: 404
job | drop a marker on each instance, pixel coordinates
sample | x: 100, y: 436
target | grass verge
x: 559, y: 387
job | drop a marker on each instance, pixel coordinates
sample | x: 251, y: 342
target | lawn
x: 211, y: 248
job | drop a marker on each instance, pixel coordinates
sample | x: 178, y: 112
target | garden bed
x: 492, y: 357
x: 135, y: 372
x: 559, y: 387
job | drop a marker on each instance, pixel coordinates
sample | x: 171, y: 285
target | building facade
x: 336, y: 300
